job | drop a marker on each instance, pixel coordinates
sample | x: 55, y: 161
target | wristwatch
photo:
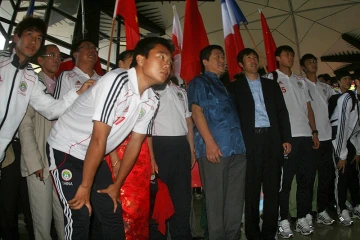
x: 315, y: 131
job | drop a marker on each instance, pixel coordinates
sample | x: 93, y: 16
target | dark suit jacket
x: 275, y: 108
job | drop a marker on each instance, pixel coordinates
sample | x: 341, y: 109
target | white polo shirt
x: 319, y: 94
x: 114, y: 100
x: 72, y: 79
x: 170, y: 120
x: 296, y: 96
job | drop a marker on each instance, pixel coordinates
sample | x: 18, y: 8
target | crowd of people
x: 78, y: 152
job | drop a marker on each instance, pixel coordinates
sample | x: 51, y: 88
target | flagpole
x: 111, y: 39
x: 256, y: 49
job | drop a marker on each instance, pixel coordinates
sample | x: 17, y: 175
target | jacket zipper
x: 10, y: 96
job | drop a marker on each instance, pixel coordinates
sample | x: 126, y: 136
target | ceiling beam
x: 344, y: 57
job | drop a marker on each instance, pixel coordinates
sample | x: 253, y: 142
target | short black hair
x: 283, y: 48
x: 43, y: 49
x: 325, y: 76
x: 145, y: 45
x: 205, y: 54
x: 306, y: 57
x: 126, y: 54
x: 245, y: 52
x: 31, y: 23
x: 342, y: 73
x: 357, y: 74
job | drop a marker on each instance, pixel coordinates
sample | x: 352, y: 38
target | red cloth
x: 135, y: 194
x: 270, y: 46
x: 127, y: 10
x: 68, y: 64
x: 163, y: 208
x: 195, y: 39
x: 195, y: 176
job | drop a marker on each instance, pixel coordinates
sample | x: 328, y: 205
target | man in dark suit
x: 265, y: 125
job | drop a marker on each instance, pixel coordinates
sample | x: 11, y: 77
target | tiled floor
x: 333, y: 232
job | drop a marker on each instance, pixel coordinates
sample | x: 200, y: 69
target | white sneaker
x: 344, y: 218
x: 303, y: 227
x: 356, y: 212
x: 284, y: 229
x: 309, y: 220
x: 324, y: 218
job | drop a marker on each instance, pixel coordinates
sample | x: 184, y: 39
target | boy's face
x: 345, y: 82
x: 310, y: 66
x: 28, y: 44
x: 157, y: 66
x: 250, y: 63
x: 286, y: 59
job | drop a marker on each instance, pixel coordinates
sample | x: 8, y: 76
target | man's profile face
x: 345, y: 82
x: 310, y: 66
x: 286, y: 59
x: 157, y: 66
x: 250, y: 63
x: 86, y: 52
x: 28, y: 43
x: 50, y: 62
x: 216, y: 62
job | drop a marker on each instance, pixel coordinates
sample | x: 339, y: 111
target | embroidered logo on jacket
x: 23, y: 86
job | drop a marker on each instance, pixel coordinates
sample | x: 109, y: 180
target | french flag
x: 177, y: 40
x: 231, y: 17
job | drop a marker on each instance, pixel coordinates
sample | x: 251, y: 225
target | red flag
x: 195, y: 39
x: 127, y: 10
x: 270, y: 46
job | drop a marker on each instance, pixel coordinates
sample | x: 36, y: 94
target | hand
x: 113, y: 191
x: 154, y: 167
x: 357, y: 160
x: 316, y: 141
x: 193, y: 159
x: 287, y: 148
x: 85, y: 86
x: 341, y: 165
x: 40, y: 174
x: 82, y: 197
x: 213, y: 152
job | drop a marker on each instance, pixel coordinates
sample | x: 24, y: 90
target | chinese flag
x: 270, y: 46
x: 127, y: 10
x: 195, y: 39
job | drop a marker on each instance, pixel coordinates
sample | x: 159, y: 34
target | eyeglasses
x: 53, y: 56
x: 88, y: 47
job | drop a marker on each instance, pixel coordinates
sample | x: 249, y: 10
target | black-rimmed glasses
x: 53, y: 56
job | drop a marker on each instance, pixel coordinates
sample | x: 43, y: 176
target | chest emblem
x: 23, y: 86
x: 300, y: 84
x: 324, y: 91
x: 141, y: 114
x: 280, y: 82
x: 180, y: 96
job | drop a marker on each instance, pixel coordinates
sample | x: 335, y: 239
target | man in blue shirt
x: 219, y: 145
x: 265, y: 124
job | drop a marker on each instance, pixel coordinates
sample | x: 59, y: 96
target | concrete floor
x: 333, y: 232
